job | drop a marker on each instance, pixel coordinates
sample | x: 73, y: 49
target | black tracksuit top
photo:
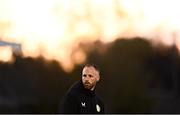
x: 81, y: 100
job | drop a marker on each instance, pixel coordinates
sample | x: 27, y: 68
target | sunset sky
x: 53, y: 28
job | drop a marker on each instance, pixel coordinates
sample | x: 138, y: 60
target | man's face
x: 89, y: 77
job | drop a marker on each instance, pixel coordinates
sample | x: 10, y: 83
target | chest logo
x: 98, y: 108
x: 83, y: 104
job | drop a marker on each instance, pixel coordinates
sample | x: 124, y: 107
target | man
x: 81, y: 97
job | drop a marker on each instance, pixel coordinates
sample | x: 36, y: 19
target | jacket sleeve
x: 103, y: 109
x: 69, y: 104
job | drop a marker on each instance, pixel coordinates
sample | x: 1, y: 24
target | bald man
x: 81, y: 97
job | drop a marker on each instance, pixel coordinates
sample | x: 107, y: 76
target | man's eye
x: 84, y: 75
x: 90, y: 76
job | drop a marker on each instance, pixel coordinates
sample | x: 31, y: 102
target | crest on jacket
x: 98, y: 108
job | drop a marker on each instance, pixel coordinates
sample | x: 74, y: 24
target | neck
x: 92, y: 88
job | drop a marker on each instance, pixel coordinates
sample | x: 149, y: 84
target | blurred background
x: 45, y: 43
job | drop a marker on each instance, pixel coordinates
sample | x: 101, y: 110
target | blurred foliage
x: 124, y: 76
x: 128, y: 69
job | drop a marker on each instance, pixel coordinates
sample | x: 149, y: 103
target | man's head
x: 90, y: 76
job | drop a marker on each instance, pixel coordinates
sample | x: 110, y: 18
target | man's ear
x: 98, y: 78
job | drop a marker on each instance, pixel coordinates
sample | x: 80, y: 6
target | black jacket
x: 81, y: 100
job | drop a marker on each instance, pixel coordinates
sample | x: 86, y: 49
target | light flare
x: 6, y: 54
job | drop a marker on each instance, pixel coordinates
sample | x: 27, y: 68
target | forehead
x: 90, y: 69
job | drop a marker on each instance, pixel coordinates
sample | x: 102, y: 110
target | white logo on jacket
x: 83, y: 104
x: 98, y: 108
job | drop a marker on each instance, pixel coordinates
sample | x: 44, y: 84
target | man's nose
x: 86, y: 78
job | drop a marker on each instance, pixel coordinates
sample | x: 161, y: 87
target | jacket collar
x: 86, y: 91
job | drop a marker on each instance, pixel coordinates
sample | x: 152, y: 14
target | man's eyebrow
x: 88, y: 74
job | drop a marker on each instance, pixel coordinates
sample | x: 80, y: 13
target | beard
x: 88, y: 85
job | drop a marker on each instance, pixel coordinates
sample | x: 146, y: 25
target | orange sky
x: 53, y: 28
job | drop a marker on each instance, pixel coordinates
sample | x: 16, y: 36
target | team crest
x: 98, y: 108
